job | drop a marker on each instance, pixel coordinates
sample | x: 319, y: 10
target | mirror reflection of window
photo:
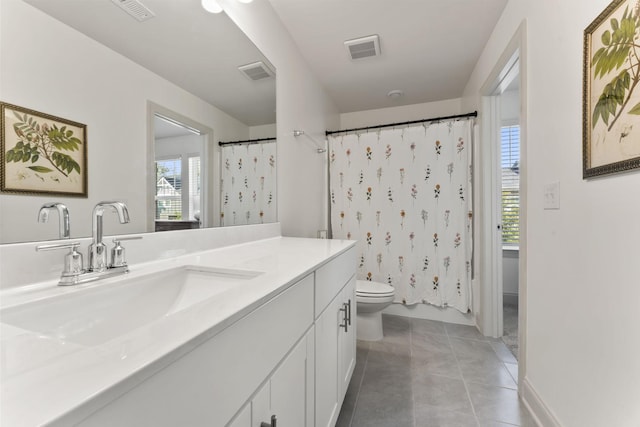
x: 178, y: 154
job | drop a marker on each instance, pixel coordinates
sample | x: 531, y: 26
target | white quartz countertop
x: 50, y: 381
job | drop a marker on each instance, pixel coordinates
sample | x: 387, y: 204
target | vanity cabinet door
x: 335, y: 354
x: 289, y: 400
x: 347, y: 339
x: 327, y: 334
x: 286, y: 394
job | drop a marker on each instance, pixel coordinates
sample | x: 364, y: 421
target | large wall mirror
x: 157, y: 90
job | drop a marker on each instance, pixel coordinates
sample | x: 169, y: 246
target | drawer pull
x: 272, y: 424
x: 345, y: 309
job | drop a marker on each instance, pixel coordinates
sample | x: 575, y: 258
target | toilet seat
x: 372, y: 290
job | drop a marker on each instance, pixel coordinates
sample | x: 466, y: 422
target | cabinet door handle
x: 349, y: 313
x: 272, y: 424
x: 344, y: 309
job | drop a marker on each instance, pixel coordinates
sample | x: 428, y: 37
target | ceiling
x: 196, y: 50
x: 428, y: 47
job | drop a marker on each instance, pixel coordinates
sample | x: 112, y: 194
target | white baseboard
x: 431, y: 312
x: 541, y: 414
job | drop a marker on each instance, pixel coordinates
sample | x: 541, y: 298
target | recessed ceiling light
x: 395, y: 94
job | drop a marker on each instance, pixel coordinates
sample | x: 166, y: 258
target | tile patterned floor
x: 433, y: 374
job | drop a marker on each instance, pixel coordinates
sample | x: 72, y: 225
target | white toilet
x: 371, y: 299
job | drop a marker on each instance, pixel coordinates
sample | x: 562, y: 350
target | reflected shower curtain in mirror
x: 405, y: 195
x: 248, y: 184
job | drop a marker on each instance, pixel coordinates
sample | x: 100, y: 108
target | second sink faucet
x: 97, y: 249
x: 63, y: 213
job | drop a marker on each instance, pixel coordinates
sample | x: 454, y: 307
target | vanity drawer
x: 211, y: 383
x: 332, y: 276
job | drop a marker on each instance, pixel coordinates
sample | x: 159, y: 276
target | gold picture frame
x: 611, y: 100
x: 41, y: 154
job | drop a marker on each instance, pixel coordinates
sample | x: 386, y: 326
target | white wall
x: 264, y: 131
x: 303, y: 104
x: 101, y: 89
x: 583, y: 321
x: 402, y: 113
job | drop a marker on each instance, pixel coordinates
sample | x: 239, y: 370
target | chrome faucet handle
x: 72, y: 261
x: 118, y: 258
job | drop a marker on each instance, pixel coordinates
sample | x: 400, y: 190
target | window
x: 510, y: 167
x: 172, y: 177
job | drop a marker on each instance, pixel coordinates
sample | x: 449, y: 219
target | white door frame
x: 490, y: 314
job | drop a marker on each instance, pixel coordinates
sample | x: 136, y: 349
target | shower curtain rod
x: 246, y: 141
x: 435, y: 119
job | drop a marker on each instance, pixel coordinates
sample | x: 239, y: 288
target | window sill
x: 511, y: 248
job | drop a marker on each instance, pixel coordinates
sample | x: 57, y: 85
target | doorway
x: 509, y: 199
x: 180, y: 172
x: 498, y: 215
x: 178, y: 158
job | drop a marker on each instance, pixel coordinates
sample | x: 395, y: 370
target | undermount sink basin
x: 96, y: 315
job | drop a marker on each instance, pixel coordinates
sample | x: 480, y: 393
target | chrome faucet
x: 97, y: 249
x: 73, y: 272
x: 63, y: 214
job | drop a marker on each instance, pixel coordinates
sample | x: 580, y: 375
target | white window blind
x: 510, y: 166
x: 194, y: 188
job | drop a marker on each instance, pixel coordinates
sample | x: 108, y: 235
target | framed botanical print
x: 611, y: 97
x: 41, y: 154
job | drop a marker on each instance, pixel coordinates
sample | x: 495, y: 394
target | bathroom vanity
x: 251, y: 334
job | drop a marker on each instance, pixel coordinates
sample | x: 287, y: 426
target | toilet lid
x: 373, y: 289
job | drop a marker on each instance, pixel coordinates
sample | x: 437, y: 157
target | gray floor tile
x: 389, y: 351
x: 513, y: 370
x: 464, y: 331
x: 424, y: 326
x: 471, y: 350
x: 436, y: 363
x: 438, y: 392
x: 479, y: 363
x: 396, y: 323
x: 432, y: 343
x: 489, y: 373
x: 396, y: 329
x: 503, y: 352
x: 436, y: 417
x: 385, y: 399
x: 497, y: 404
x: 419, y: 376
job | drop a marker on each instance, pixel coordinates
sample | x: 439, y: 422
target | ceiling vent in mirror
x: 364, y: 47
x: 136, y: 9
x: 256, y: 71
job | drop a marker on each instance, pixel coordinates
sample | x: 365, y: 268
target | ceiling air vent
x: 364, y: 47
x: 136, y: 9
x: 256, y: 71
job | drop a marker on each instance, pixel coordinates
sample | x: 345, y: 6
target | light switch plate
x: 552, y: 196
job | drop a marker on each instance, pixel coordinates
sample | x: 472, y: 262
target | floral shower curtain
x: 248, y: 184
x: 405, y: 195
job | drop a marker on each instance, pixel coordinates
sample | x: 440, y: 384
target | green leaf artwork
x: 38, y: 141
x: 620, y: 55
